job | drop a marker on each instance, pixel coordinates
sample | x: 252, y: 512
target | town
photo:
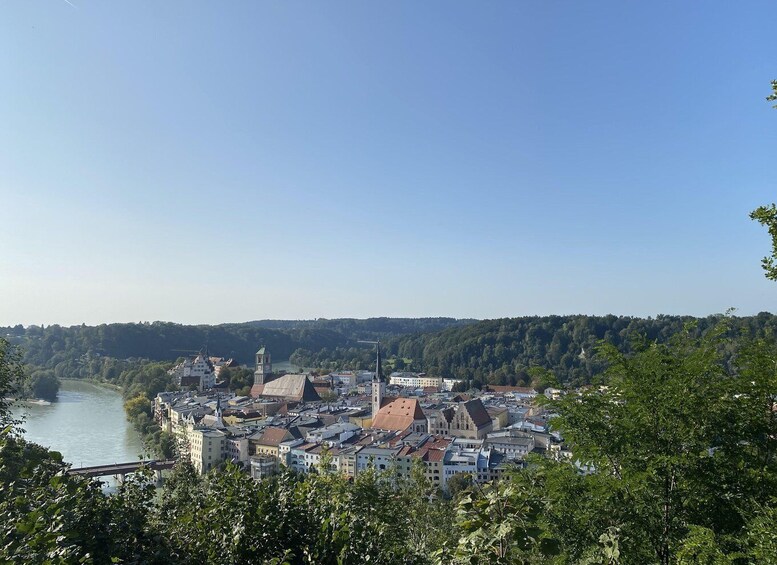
x: 352, y: 421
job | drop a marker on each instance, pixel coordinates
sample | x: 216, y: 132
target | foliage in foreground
x: 683, y: 448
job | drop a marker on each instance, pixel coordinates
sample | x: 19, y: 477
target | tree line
x: 504, y: 351
x: 501, y: 352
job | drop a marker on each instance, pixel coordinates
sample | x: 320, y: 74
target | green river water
x: 86, y: 425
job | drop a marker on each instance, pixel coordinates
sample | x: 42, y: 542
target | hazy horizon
x: 195, y: 323
x: 204, y: 162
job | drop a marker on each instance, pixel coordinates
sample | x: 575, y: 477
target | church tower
x: 219, y: 421
x: 263, y: 371
x: 378, y: 385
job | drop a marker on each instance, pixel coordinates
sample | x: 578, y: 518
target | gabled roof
x: 399, y: 414
x: 288, y: 387
x: 261, y: 351
x: 477, y: 412
x: 274, y: 436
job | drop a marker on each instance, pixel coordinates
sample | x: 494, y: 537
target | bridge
x: 122, y: 469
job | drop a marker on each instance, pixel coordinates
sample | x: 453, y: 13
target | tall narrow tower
x: 263, y: 371
x: 378, y: 385
x: 218, y: 411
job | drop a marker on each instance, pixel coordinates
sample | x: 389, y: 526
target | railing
x: 120, y: 468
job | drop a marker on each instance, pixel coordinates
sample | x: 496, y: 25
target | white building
x: 333, y: 435
x: 194, y: 372
x: 284, y: 450
x: 414, y: 380
x: 263, y: 466
x: 206, y: 448
x: 448, y: 384
x: 381, y: 457
x: 236, y: 449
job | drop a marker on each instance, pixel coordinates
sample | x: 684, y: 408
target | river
x: 86, y: 425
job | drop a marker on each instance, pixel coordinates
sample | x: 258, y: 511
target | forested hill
x: 162, y: 341
x: 491, y: 351
x: 501, y: 351
x: 370, y: 328
x: 68, y: 347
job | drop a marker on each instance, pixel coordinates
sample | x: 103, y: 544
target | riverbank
x: 94, y: 381
x: 40, y: 401
x: 35, y: 401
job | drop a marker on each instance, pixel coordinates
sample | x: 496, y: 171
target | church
x: 394, y: 414
x: 289, y: 388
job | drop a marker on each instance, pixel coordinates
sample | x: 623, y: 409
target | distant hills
x: 499, y: 351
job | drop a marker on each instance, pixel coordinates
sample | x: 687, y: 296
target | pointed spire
x: 219, y: 421
x: 378, y: 372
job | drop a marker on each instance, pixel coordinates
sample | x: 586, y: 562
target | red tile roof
x: 274, y: 436
x: 399, y: 414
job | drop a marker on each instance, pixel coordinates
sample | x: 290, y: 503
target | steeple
x: 378, y: 385
x: 218, y: 410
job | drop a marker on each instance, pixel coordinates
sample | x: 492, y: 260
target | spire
x: 378, y: 373
x: 218, y: 410
x: 378, y: 386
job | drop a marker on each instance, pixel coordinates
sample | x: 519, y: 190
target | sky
x: 210, y: 162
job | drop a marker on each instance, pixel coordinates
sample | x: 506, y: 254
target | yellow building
x: 269, y: 441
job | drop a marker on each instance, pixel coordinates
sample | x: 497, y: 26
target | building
x: 291, y: 387
x: 431, y: 454
x: 378, y: 388
x: 515, y: 446
x: 400, y: 414
x: 194, y: 372
x: 206, y: 448
x: 380, y: 457
x: 219, y: 363
x: 236, y: 448
x: 333, y: 435
x: 415, y: 380
x: 270, y: 440
x: 263, y: 466
x: 263, y: 372
x: 466, y: 419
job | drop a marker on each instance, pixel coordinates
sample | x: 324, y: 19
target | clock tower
x: 263, y: 372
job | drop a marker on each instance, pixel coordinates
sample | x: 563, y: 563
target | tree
x: 681, y: 447
x: 501, y: 523
x: 136, y: 406
x: 767, y: 216
x: 43, y: 384
x: 458, y: 483
x: 11, y: 381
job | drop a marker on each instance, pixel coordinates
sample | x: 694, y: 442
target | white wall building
x: 334, y: 435
x: 414, y: 380
x: 195, y: 371
x: 206, y: 448
x: 381, y: 457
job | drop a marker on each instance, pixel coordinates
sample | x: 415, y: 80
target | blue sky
x: 206, y: 162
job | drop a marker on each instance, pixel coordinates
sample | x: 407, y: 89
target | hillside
x: 502, y: 351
